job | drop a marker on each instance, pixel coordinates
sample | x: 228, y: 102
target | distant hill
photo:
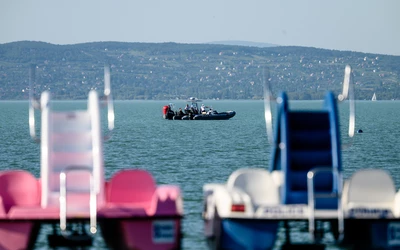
x: 163, y: 71
x: 245, y: 43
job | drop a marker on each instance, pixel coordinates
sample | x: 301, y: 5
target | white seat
x: 369, y: 189
x: 258, y: 184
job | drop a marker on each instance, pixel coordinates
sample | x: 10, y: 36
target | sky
x: 370, y: 26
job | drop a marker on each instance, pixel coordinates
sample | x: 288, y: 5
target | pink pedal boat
x: 129, y: 210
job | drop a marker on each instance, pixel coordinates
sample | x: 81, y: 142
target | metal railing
x: 312, y: 196
x: 109, y: 102
x: 35, y: 104
x: 63, y: 199
x: 347, y: 93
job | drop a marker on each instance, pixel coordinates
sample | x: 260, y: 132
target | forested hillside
x: 170, y: 70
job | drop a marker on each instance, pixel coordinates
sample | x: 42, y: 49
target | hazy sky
x: 371, y: 26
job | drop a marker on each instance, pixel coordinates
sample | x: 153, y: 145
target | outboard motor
x: 168, y: 113
x: 165, y: 111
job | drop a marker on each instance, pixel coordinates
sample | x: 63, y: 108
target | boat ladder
x: 312, y: 196
x: 63, y: 199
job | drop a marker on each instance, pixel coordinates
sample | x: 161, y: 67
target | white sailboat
x: 373, y: 97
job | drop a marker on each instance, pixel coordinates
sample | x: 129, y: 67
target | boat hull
x: 18, y: 234
x: 219, y: 116
x: 242, y: 234
x: 367, y: 233
x: 146, y: 233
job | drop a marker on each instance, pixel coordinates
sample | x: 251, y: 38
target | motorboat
x: 304, y: 184
x: 194, y: 112
x: 129, y: 210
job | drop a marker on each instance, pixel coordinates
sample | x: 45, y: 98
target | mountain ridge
x: 163, y: 71
x: 244, y: 43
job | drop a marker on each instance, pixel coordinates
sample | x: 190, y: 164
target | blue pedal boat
x: 304, y: 184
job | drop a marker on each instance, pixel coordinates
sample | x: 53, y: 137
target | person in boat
x: 180, y: 112
x: 187, y: 109
x: 194, y: 109
x: 170, y: 110
x: 212, y: 112
x: 202, y: 109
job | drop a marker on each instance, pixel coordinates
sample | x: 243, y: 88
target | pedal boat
x: 304, y: 184
x: 129, y: 210
x: 262, y: 198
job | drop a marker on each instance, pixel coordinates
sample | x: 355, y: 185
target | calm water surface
x: 192, y: 153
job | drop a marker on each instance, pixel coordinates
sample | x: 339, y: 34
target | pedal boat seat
x: 258, y: 184
x: 369, y: 192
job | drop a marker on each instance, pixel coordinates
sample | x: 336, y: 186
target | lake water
x: 192, y: 153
